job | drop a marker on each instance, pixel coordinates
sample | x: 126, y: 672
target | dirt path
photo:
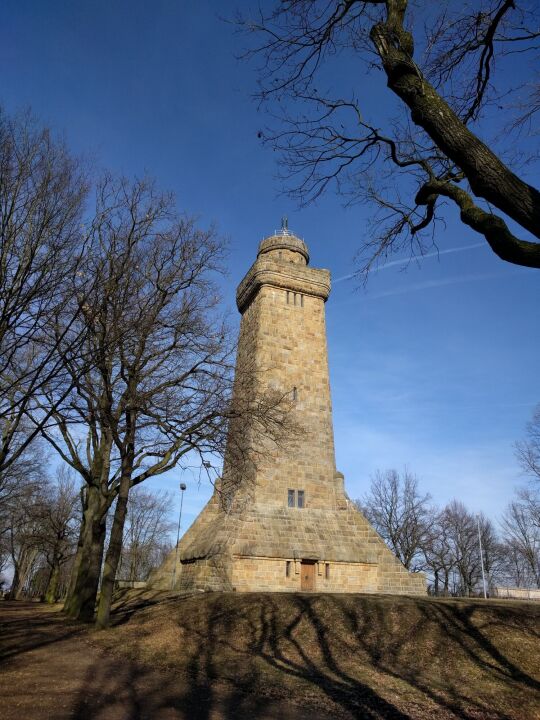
x: 50, y: 669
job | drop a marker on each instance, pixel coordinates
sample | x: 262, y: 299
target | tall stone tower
x: 290, y: 526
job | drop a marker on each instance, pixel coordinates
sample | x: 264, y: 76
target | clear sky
x: 433, y: 366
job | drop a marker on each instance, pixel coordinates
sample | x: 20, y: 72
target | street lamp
x: 481, y: 556
x: 182, y: 488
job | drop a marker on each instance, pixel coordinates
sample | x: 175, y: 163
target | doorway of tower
x: 307, y: 575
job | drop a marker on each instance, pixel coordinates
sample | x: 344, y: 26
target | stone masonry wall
x: 270, y: 574
x: 287, y: 344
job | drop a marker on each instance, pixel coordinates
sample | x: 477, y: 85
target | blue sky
x: 433, y: 366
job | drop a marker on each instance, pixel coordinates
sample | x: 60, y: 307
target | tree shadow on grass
x: 26, y: 626
x: 322, y: 670
x: 127, y: 603
x: 120, y: 688
x: 464, y: 672
x: 315, y: 656
x: 323, y: 656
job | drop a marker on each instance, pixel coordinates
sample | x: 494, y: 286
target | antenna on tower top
x: 284, y: 226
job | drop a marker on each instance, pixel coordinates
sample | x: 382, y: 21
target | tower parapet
x: 283, y: 265
x: 284, y: 245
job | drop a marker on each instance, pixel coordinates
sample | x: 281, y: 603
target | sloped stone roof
x: 331, y: 535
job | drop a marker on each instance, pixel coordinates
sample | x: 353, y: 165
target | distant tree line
x: 445, y: 542
x: 114, y: 354
x: 40, y: 526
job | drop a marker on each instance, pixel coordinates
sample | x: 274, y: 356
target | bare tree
x: 22, y: 536
x: 161, y: 383
x: 58, y: 514
x: 528, y: 450
x: 40, y: 524
x: 21, y: 484
x: 440, y: 63
x: 439, y: 558
x: 399, y: 513
x: 492, y: 551
x: 4, y: 561
x: 22, y: 474
x: 521, y: 529
x: 463, y: 539
x: 146, y: 539
x: 42, y: 191
x: 461, y: 535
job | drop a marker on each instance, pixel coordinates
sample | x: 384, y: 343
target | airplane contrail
x: 403, y: 261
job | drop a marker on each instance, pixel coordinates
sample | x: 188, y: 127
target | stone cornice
x: 283, y: 275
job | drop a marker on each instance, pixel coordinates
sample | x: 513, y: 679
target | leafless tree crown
x: 443, y: 137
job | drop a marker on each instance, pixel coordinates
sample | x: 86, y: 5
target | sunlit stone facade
x: 288, y: 525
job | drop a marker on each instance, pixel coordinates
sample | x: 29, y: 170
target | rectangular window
x: 300, y: 498
x: 327, y: 571
x: 288, y: 297
x: 287, y: 568
x: 290, y: 498
x: 301, y: 301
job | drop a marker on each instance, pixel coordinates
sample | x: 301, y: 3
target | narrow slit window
x: 288, y: 297
x: 295, y: 299
x: 300, y: 498
x: 327, y: 571
x: 290, y: 498
x: 295, y: 393
x: 301, y: 301
x: 287, y: 568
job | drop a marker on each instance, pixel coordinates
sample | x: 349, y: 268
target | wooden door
x: 307, y: 576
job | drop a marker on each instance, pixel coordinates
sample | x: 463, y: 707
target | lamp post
x: 481, y: 556
x: 182, y: 488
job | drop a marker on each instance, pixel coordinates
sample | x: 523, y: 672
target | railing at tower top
x: 284, y: 230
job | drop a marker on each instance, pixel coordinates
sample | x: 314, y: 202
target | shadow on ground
x: 305, y: 656
x: 341, y: 656
x: 26, y: 626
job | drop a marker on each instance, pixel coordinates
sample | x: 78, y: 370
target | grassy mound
x: 351, y: 656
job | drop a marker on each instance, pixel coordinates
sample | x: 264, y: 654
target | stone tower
x: 291, y: 526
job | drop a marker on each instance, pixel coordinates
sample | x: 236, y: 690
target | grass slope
x: 348, y: 656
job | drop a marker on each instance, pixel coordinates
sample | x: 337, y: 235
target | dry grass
x: 353, y: 655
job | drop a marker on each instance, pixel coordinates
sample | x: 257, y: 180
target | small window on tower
x: 288, y: 297
x: 290, y: 498
x: 287, y: 568
x: 301, y: 301
x: 295, y: 393
x: 327, y: 571
x: 300, y: 498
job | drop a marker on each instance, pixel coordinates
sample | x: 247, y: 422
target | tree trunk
x: 81, y: 600
x: 15, y: 583
x: 23, y: 568
x: 51, y: 594
x: 114, y: 551
x: 488, y: 176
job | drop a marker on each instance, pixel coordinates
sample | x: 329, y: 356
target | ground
x: 296, y: 656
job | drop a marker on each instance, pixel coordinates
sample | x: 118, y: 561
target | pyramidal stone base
x: 267, y: 549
